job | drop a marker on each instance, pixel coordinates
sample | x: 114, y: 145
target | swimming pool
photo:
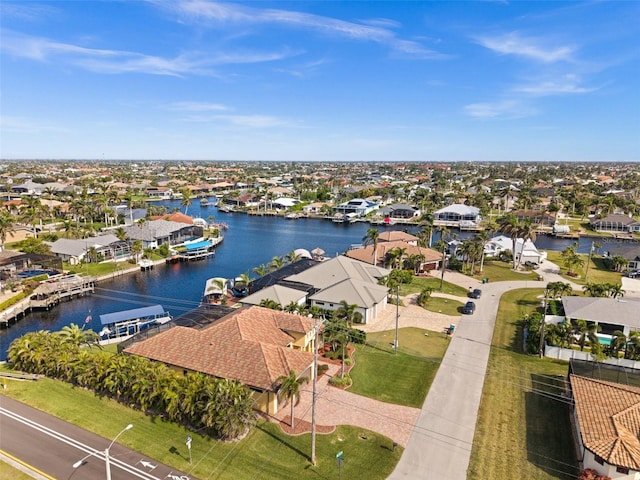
x: 36, y: 273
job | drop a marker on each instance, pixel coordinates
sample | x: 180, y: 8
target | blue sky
x: 321, y: 81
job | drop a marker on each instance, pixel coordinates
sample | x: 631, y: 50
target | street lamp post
x: 106, y: 453
x: 395, y: 344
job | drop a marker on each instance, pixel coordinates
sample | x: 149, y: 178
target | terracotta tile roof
x: 249, y: 345
x: 175, y: 217
x: 609, y: 418
x: 365, y: 254
x: 395, y: 235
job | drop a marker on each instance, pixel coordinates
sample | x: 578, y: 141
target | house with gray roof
x: 279, y: 293
x: 457, y: 215
x: 610, y: 313
x: 100, y: 248
x: 154, y: 233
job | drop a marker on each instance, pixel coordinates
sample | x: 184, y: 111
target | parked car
x: 531, y: 264
x: 633, y: 274
x: 469, y: 308
x: 476, y: 293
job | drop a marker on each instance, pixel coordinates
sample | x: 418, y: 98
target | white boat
x: 119, y: 326
x: 215, y: 290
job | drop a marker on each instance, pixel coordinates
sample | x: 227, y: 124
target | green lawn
x: 445, y: 306
x: 598, y: 271
x: 498, y: 271
x: 7, y: 472
x: 519, y: 428
x: 420, y: 283
x: 265, y: 453
x: 403, y: 378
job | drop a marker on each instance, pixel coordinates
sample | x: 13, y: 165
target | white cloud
x: 502, y: 109
x: 255, y: 121
x: 120, y: 61
x: 376, y: 30
x: 514, y: 44
x: 196, y: 107
x: 568, y: 85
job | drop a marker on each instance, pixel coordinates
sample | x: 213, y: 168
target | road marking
x: 77, y: 444
x: 26, y: 465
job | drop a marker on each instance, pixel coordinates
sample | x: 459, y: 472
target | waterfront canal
x: 249, y: 242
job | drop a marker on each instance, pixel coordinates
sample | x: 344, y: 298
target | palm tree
x: 618, y: 342
x: 526, y: 231
x: 276, y: 263
x: 136, y: 248
x: 615, y: 290
x: 261, y: 270
x: 186, y: 198
x: 77, y: 336
x: 290, y: 389
x: 292, y: 257
x: 270, y: 303
x: 482, y: 238
x: 348, y: 313
x: 6, y: 227
x: 371, y: 238
x: 509, y: 226
x: 587, y: 332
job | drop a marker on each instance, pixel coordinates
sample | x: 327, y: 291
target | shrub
x: 345, y: 381
x: 322, y: 368
x: 591, y: 474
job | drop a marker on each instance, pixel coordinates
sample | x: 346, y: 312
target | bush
x: 322, y: 368
x: 591, y: 474
x: 345, y: 381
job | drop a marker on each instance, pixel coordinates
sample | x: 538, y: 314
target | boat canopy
x: 198, y: 245
x: 144, y: 312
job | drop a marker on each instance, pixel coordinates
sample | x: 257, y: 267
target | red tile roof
x: 609, y: 418
x: 249, y: 345
x: 365, y: 254
x: 175, y: 217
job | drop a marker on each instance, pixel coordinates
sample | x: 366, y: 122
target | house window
x: 624, y: 470
x: 599, y: 460
x: 319, y: 303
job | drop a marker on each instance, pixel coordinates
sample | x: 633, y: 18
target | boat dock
x: 197, y: 250
x: 47, y: 295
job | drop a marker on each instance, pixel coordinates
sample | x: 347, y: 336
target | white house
x: 359, y: 206
x: 456, y: 215
x: 524, y: 252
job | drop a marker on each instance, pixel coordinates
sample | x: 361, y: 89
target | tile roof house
x: 253, y: 345
x: 157, y: 232
x: 607, y: 423
x: 432, y: 258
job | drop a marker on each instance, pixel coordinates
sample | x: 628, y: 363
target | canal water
x: 249, y: 242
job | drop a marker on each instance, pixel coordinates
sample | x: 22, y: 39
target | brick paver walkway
x: 341, y: 407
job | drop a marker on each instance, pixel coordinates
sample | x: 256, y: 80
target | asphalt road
x: 51, y: 446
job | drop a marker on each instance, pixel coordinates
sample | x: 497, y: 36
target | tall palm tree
x: 526, y: 231
x: 6, y: 227
x: 186, y: 198
x: 509, y: 226
x: 261, y: 270
x: 587, y: 332
x: 371, y: 238
x: 290, y: 389
x: 482, y: 237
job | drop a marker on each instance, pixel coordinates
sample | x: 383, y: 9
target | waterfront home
x: 253, y: 345
x: 281, y: 294
x: 358, y: 206
x: 159, y: 193
x: 398, y: 211
x: 154, y: 233
x: 398, y: 236
x: 537, y: 217
x: 525, y: 251
x: 457, y: 215
x: 616, y: 223
x: 343, y: 278
x: 607, y: 426
x: 430, y: 258
x: 92, y: 249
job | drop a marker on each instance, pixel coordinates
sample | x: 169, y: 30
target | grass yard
x: 445, y: 306
x: 497, y: 271
x: 420, y: 283
x: 265, y: 453
x: 598, y: 271
x: 403, y: 378
x: 7, y: 472
x: 521, y: 432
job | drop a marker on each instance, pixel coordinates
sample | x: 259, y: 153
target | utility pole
x: 544, y: 314
x: 314, y: 394
x: 395, y: 345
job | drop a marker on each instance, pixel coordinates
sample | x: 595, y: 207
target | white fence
x: 568, y: 354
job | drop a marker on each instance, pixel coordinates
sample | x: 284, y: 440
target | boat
x: 204, y: 202
x: 118, y: 326
x: 239, y: 287
x: 215, y: 290
x: 292, y: 216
